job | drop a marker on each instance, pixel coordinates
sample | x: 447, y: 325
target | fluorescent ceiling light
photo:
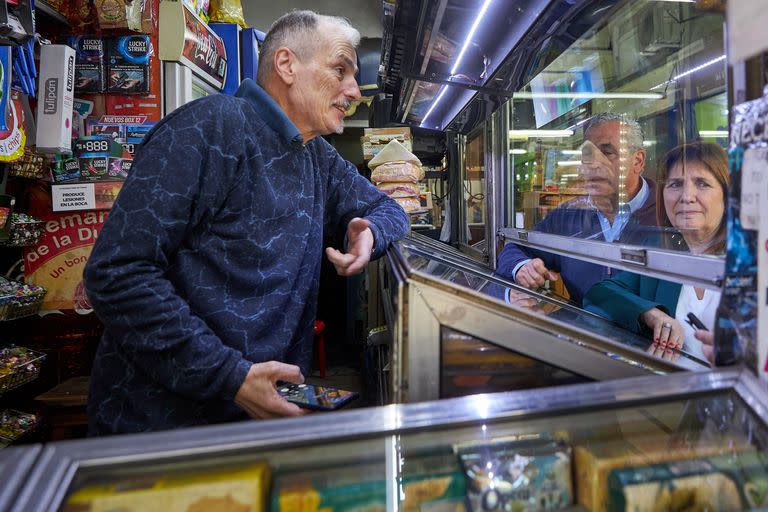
x: 540, y: 133
x: 679, y: 1
x: 444, y: 88
x: 469, y: 36
x: 589, y: 95
x: 693, y: 70
x: 570, y: 151
x: 569, y: 163
x: 434, y: 104
x: 714, y: 134
x: 518, y: 152
x: 569, y: 176
x: 648, y: 143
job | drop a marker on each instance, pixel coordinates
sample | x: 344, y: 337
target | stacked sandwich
x: 396, y: 171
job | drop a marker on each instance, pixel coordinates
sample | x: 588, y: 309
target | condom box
x: 55, y: 97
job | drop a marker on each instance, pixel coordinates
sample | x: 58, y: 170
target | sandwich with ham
x: 395, y: 164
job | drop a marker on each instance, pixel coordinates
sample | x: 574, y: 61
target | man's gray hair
x: 298, y: 30
x: 634, y: 133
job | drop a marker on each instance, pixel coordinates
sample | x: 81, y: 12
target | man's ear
x: 638, y: 163
x: 285, y: 65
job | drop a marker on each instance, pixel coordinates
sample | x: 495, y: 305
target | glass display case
x: 458, y: 328
x: 646, y: 443
x: 15, y: 464
x: 591, y: 133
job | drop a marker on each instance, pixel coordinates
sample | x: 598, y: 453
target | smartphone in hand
x: 319, y: 398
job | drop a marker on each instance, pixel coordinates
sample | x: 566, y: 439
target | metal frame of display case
x: 47, y: 485
x: 426, y: 303
x: 15, y: 464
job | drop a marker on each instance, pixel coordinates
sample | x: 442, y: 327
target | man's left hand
x: 359, y: 248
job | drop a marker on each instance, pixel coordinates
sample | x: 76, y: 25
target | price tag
x: 754, y: 172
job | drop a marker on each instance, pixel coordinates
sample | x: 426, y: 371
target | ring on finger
x: 667, y: 325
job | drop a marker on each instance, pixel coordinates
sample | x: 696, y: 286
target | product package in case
x: 355, y: 487
x: 128, y: 64
x: 90, y: 76
x: 217, y: 489
x: 528, y: 474
x: 734, y: 482
x: 55, y: 99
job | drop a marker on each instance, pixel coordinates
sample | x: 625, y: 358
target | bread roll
x: 393, y: 152
x: 399, y: 189
x: 409, y: 204
x: 397, y: 172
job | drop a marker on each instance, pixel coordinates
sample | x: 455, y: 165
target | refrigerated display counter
x: 634, y: 444
x: 458, y: 328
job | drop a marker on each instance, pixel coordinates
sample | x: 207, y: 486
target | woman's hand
x: 667, y: 331
x: 707, y: 339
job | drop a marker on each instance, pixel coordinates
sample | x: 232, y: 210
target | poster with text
x: 57, y: 262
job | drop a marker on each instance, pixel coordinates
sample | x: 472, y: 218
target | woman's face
x: 694, y: 201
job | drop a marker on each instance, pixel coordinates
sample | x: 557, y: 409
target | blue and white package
x: 128, y: 64
x: 89, y: 63
x: 5, y: 83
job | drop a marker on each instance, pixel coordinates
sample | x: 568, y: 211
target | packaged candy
x: 226, y: 11
x: 520, y: 475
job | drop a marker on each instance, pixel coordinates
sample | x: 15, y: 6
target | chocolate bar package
x: 520, y: 475
x: 359, y: 488
x: 128, y: 64
x: 90, y: 76
x: 730, y: 482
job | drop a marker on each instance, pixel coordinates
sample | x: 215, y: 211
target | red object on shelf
x: 320, y: 343
x: 14, y: 3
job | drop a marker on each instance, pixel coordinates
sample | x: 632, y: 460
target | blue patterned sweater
x: 210, y: 260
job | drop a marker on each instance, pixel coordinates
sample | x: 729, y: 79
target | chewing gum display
x: 128, y: 64
x: 89, y: 64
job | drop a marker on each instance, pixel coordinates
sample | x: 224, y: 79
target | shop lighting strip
x: 540, y: 133
x: 472, y: 31
x: 690, y: 71
x: 717, y: 134
x: 525, y: 95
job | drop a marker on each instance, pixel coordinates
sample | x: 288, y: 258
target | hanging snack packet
x: 227, y: 11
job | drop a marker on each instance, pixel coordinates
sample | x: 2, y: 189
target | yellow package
x: 227, y: 11
x: 226, y: 490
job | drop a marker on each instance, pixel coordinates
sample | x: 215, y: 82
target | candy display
x: 18, y: 365
x: 519, y: 475
x: 16, y: 424
x: 231, y: 489
x: 31, y: 165
x: 19, y: 299
x: 25, y: 230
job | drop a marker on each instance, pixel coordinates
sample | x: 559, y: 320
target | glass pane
x: 466, y: 273
x: 279, y: 479
x: 474, y: 188
x: 705, y: 451
x: 470, y: 365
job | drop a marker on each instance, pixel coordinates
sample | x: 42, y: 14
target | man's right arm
x: 527, y: 266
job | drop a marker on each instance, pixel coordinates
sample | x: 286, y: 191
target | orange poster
x: 57, y: 262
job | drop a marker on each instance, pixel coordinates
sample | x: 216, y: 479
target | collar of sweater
x: 271, y: 112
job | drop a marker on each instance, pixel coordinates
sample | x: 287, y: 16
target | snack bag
x: 227, y: 11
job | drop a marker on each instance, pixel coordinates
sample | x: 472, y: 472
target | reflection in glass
x: 463, y: 271
x: 471, y: 365
x: 474, y: 188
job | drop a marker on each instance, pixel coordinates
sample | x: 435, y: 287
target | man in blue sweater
x: 206, y: 273
x: 599, y: 216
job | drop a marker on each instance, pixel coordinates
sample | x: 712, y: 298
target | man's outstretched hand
x: 359, y: 248
x: 258, y: 394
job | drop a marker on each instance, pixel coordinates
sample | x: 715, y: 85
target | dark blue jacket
x: 210, y: 260
x: 575, y: 220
